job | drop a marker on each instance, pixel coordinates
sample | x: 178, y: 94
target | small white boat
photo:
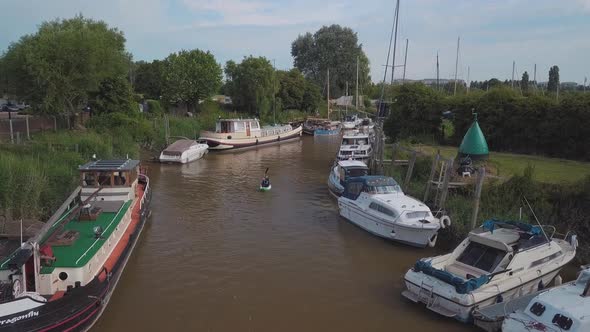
x: 378, y: 205
x: 184, y: 151
x: 355, y: 146
x: 563, y: 308
x: 499, y: 261
x: 350, y: 122
x: 342, y: 171
x: 247, y: 133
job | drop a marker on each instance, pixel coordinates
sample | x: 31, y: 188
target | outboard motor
x: 573, y: 240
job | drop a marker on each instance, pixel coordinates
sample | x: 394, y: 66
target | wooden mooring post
x: 481, y: 174
x: 445, y: 186
x: 435, y: 161
x: 28, y: 128
x: 11, y: 132
x: 410, y: 170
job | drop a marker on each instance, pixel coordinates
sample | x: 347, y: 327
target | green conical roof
x: 474, y: 143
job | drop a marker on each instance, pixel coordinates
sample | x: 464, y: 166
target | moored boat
x: 343, y: 170
x: 378, y: 205
x: 499, y: 261
x: 184, y: 151
x: 247, y: 133
x: 328, y: 128
x: 62, y: 278
x: 350, y: 122
x: 563, y: 308
x: 355, y: 146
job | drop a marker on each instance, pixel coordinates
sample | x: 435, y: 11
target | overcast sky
x: 493, y: 33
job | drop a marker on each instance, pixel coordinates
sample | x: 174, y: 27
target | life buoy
x: 432, y: 240
x: 445, y: 221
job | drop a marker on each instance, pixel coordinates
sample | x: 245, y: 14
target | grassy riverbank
x: 36, y: 176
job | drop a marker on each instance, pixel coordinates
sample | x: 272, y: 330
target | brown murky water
x: 218, y: 255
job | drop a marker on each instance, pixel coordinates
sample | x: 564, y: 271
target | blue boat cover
x: 491, y: 224
x: 462, y: 286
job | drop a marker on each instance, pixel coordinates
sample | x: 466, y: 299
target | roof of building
x: 110, y: 165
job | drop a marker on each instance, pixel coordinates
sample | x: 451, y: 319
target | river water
x: 217, y: 255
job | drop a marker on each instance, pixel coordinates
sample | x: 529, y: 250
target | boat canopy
x: 462, y: 286
x: 374, y: 184
x: 508, y: 235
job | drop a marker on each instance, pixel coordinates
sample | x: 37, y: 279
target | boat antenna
x: 265, y: 172
x: 535, y: 216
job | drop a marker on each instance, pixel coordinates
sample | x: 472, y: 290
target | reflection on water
x: 218, y: 255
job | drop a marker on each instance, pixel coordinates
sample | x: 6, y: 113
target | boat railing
x: 146, y: 189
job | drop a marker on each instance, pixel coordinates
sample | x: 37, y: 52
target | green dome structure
x: 474, y: 143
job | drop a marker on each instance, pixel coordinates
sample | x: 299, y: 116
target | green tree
x: 190, y: 76
x: 114, y: 96
x: 57, y: 67
x: 415, y: 111
x: 291, y: 88
x: 553, y: 82
x: 148, y: 79
x: 335, y: 48
x: 251, y: 85
x: 524, y: 83
x: 311, y: 97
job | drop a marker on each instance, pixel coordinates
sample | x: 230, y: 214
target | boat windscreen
x: 353, y: 172
x: 481, y: 256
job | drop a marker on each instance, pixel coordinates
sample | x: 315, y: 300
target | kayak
x: 265, y: 188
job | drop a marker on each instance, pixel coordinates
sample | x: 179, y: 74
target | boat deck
x: 82, y: 245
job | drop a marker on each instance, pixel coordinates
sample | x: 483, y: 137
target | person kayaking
x: 265, y: 181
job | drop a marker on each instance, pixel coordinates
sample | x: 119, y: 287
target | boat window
x: 537, y: 309
x: 104, y: 179
x: 226, y: 127
x: 254, y: 125
x: 353, y: 190
x: 482, y: 257
x: 418, y: 214
x: 89, y: 179
x: 382, y: 209
x: 357, y: 172
x: 240, y: 126
x: 564, y: 322
x: 383, y: 189
x: 347, y: 141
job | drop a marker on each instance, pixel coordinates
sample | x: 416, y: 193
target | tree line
x: 81, y: 63
x: 510, y: 121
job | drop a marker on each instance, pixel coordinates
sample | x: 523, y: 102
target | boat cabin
x: 361, y: 139
x: 116, y: 179
x: 228, y: 126
x: 372, y: 184
x: 351, y: 168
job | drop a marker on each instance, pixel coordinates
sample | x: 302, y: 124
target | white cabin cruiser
x: 350, y: 122
x: 342, y: 171
x: 498, y: 261
x: 355, y: 146
x: 247, y: 133
x: 563, y: 308
x: 184, y: 151
x: 378, y: 205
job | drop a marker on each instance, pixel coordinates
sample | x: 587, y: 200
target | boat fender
x: 278, y: 139
x: 432, y: 240
x: 445, y: 221
x: 541, y: 285
x: 558, y: 281
x: 499, y: 298
x: 257, y: 141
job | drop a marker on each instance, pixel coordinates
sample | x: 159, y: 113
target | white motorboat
x: 355, y: 146
x: 184, y: 151
x: 247, y: 133
x: 563, y: 308
x: 378, y: 205
x: 499, y: 261
x: 343, y: 170
x: 350, y: 122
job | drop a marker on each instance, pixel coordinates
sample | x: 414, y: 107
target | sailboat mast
x: 457, y: 64
x: 405, y: 62
x: 512, y: 81
x: 356, y: 101
x: 387, y: 63
x: 468, y: 82
x: 437, y: 73
x: 346, y: 102
x: 395, y: 40
x: 328, y: 94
